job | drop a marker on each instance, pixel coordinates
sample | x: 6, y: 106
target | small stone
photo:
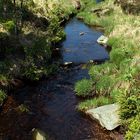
x: 67, y: 63
x: 91, y: 61
x: 102, y: 40
x: 82, y: 33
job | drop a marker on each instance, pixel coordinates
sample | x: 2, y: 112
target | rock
x: 67, y: 63
x: 107, y: 115
x: 91, y: 61
x: 102, y: 40
x: 39, y: 135
x: 82, y: 33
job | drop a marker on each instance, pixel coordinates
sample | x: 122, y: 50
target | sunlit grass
x: 118, y: 79
x: 93, y: 103
x: 83, y: 88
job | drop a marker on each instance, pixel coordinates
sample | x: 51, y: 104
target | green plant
x: 104, y: 85
x: 115, y: 94
x: 2, y: 96
x: 96, y: 71
x: 10, y: 26
x: 130, y: 102
x: 133, y: 132
x: 95, y: 102
x: 84, y: 88
x: 23, y: 108
x: 119, y: 54
x: 119, y: 78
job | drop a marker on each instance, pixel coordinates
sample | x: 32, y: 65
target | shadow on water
x: 52, y: 102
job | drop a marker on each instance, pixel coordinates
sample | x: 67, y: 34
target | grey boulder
x: 107, y: 115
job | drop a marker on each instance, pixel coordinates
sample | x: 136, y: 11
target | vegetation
x: 117, y: 80
x: 92, y: 103
x: 2, y: 96
x: 23, y: 108
x: 84, y: 88
x: 28, y: 33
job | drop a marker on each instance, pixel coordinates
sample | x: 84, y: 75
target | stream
x: 52, y: 102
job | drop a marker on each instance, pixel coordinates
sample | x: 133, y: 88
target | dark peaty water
x: 52, y: 102
x: 52, y: 105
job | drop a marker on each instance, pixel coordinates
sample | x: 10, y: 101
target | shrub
x: 84, y: 88
x: 40, y: 49
x: 10, y: 26
x: 130, y: 103
x: 133, y: 132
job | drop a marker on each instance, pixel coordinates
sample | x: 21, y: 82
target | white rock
x: 102, y: 40
x: 82, y: 33
x: 67, y: 63
x: 107, y: 115
x: 38, y: 135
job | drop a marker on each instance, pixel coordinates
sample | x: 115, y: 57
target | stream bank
x: 52, y: 109
x: 51, y: 103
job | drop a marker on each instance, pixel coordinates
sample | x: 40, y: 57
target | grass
x: 118, y: 79
x: 93, y: 103
x: 84, y: 88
